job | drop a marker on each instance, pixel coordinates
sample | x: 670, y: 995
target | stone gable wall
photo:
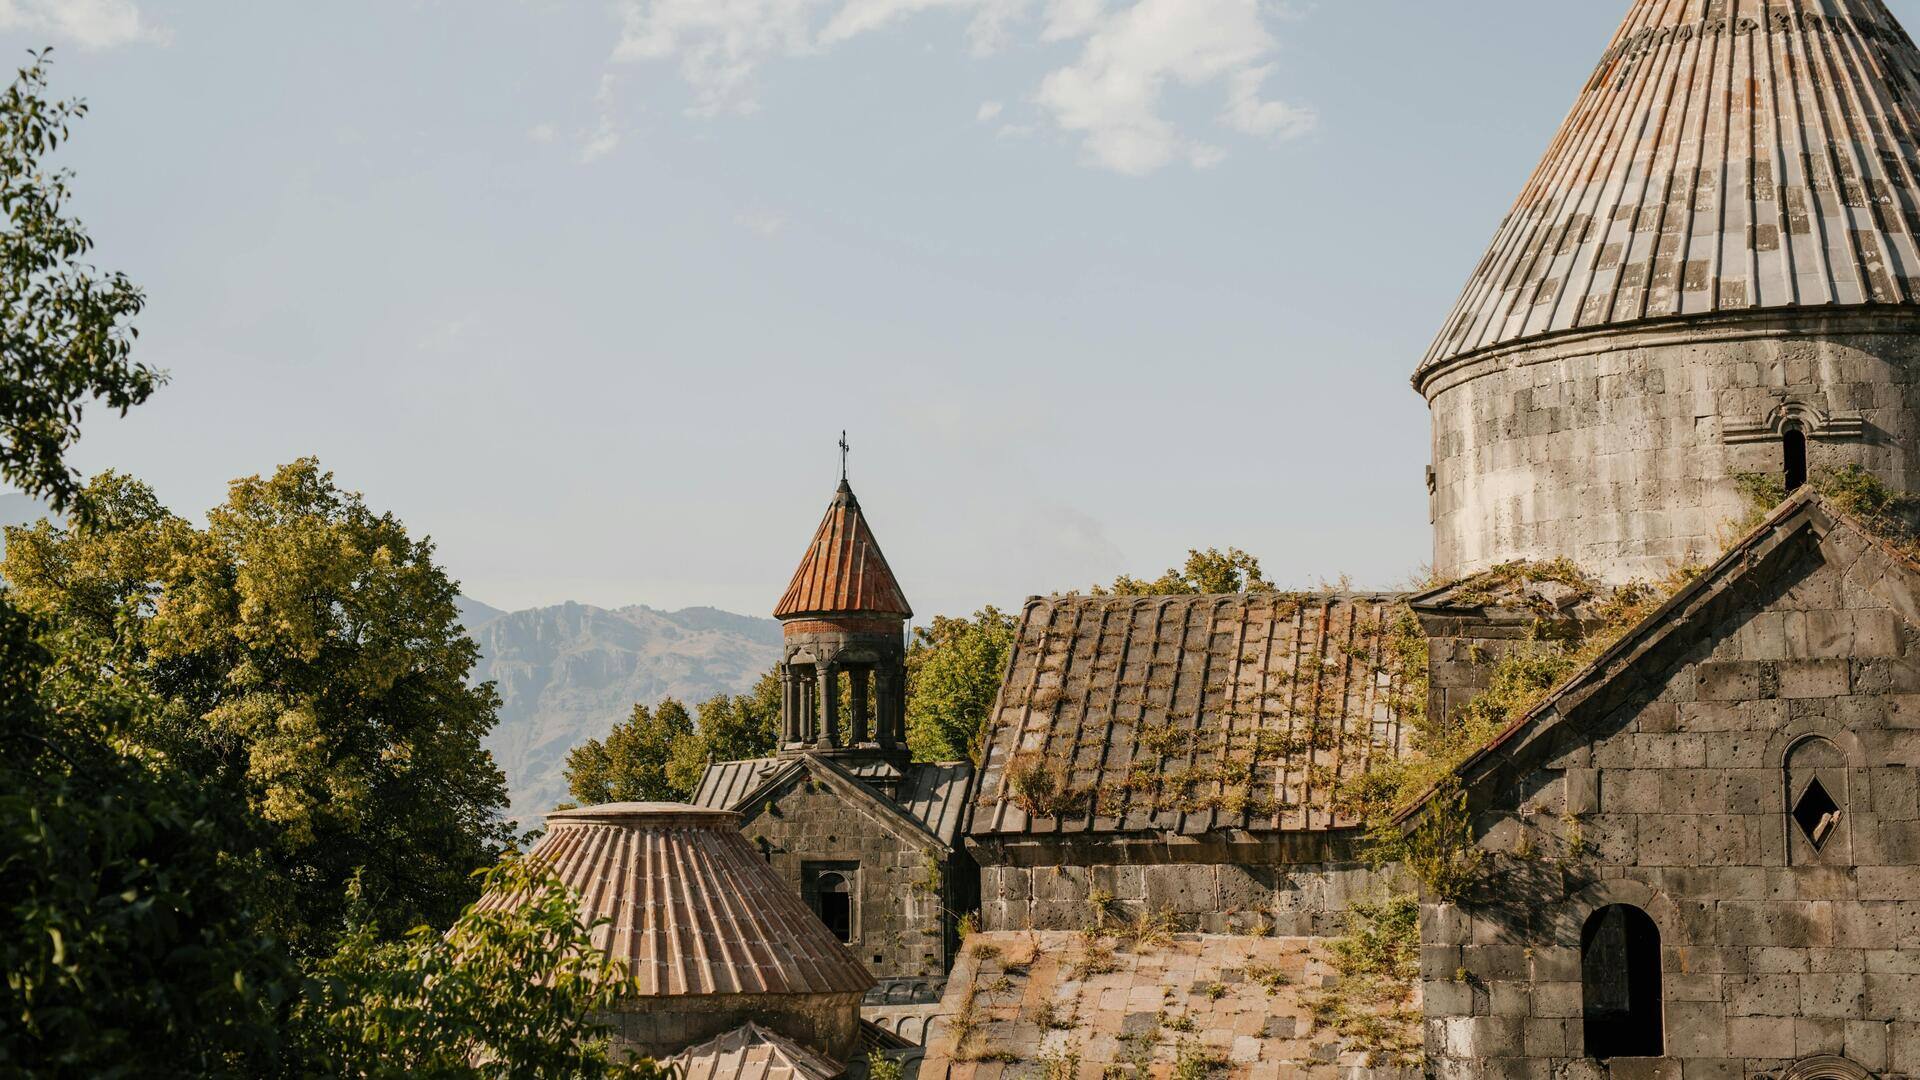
x: 1676, y: 803
x: 900, y: 921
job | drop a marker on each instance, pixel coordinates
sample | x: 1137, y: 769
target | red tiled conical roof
x: 1726, y: 156
x: 844, y: 572
x: 692, y: 909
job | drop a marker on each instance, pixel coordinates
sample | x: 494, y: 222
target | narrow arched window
x: 834, y: 904
x: 1620, y: 984
x: 1793, y: 442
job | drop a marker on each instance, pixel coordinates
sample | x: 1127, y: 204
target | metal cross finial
x: 843, y: 456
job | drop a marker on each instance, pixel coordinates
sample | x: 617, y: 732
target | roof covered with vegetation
x: 1191, y: 714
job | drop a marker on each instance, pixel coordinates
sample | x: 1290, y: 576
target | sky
x: 586, y: 291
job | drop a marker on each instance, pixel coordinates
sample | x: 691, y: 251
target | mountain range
x: 568, y: 673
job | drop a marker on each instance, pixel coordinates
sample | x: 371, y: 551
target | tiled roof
x: 1189, y: 714
x: 932, y: 794
x: 1726, y: 155
x: 844, y: 572
x: 935, y: 795
x: 751, y: 1052
x: 691, y: 908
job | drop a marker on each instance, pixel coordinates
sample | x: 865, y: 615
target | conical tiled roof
x: 751, y: 1052
x: 844, y: 572
x: 691, y: 907
x: 1726, y: 155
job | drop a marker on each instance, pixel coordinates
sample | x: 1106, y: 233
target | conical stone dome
x: 1716, y: 254
x: 710, y: 934
x: 843, y: 572
x: 1726, y: 155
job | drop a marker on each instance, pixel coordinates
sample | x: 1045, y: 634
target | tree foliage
x: 467, y: 1004
x: 65, y: 332
x: 304, y: 653
x: 636, y: 762
x: 1205, y: 573
x: 659, y: 753
x: 954, y: 669
x: 126, y: 926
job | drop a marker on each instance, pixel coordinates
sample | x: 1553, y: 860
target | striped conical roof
x: 692, y: 909
x: 844, y: 572
x: 1726, y: 155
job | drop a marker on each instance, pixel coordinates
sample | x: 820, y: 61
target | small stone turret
x: 844, y: 615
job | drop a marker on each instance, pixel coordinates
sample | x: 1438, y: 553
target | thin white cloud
x: 90, y: 24
x: 601, y: 139
x: 760, y: 220
x: 988, y: 111
x: 1112, y: 96
x: 543, y: 133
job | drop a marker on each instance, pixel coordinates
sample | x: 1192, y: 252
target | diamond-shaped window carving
x: 1816, y: 813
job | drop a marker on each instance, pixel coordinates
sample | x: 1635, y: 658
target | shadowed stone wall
x: 663, y: 1026
x: 1619, y: 450
x: 1674, y: 796
x: 1295, y: 886
x: 901, y: 885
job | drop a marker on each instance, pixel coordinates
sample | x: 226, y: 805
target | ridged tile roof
x: 1189, y: 714
x: 844, y: 572
x: 933, y: 794
x: 1726, y: 155
x: 692, y: 908
x: 751, y: 1052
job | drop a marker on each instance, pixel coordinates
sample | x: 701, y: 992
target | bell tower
x: 843, y: 676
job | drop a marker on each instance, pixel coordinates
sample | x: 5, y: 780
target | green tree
x: 509, y: 991
x: 302, y: 651
x: 1206, y: 573
x: 954, y: 669
x: 736, y: 727
x: 126, y: 923
x: 660, y: 753
x: 637, y: 762
x: 65, y: 331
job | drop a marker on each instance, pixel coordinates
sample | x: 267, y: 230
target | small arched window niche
x: 1620, y: 984
x: 829, y: 892
x: 1793, y: 448
x: 1816, y: 787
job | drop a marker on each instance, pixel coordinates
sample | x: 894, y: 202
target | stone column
x: 789, y: 707
x: 809, y: 719
x: 857, y: 678
x: 887, y: 704
x: 827, y: 694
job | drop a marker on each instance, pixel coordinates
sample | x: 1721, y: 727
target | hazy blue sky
x: 587, y: 290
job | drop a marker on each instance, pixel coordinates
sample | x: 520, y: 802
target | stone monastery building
x: 1696, y: 858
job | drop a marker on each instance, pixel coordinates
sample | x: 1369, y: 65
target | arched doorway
x: 1620, y: 984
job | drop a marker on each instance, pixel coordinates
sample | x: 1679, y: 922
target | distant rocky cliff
x: 569, y: 673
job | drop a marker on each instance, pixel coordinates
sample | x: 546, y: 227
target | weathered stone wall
x: 901, y: 898
x: 1614, y: 449
x: 658, y: 1027
x: 1212, y: 888
x: 1023, y: 1004
x: 1675, y: 800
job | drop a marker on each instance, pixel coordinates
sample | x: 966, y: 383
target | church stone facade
x: 1699, y: 856
x: 1702, y: 852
